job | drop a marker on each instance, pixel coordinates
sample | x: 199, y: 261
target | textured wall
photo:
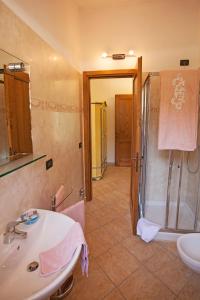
x: 55, y: 115
x: 56, y: 22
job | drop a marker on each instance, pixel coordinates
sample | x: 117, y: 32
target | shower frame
x: 142, y: 186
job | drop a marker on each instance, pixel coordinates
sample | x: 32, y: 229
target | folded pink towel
x: 59, y: 256
x: 76, y: 212
x: 178, y: 110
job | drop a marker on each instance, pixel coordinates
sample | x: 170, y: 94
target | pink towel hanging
x: 178, y: 110
x: 75, y: 211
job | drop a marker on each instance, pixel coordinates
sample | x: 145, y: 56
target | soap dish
x: 30, y: 217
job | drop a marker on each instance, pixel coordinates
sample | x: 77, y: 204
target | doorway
x: 136, y: 75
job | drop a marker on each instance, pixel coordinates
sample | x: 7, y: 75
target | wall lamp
x: 16, y: 66
x: 118, y: 56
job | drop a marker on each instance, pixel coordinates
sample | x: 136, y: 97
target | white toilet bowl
x: 188, y: 246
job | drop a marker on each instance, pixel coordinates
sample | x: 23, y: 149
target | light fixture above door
x: 118, y: 56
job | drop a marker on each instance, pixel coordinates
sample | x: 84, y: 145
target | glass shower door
x: 169, y: 188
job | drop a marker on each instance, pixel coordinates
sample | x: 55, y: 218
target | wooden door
x: 23, y: 112
x: 103, y: 137
x: 9, y: 84
x: 123, y: 125
x: 18, y: 111
x: 136, y: 145
x: 4, y: 144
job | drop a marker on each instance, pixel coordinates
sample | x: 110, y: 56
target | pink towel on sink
x: 178, y: 110
x: 59, y: 256
x: 76, y: 212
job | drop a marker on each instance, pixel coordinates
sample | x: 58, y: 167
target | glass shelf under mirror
x: 17, y: 161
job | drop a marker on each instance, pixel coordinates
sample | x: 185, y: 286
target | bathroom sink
x: 188, y: 246
x: 16, y: 282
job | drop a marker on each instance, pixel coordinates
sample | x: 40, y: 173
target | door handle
x: 136, y: 158
x: 136, y: 162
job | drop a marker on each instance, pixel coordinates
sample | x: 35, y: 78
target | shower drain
x: 32, y: 266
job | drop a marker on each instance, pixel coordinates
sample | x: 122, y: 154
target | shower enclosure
x: 169, y: 181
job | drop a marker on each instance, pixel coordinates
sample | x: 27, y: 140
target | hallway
x: 121, y: 265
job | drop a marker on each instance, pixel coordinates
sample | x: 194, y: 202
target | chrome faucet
x: 12, y: 232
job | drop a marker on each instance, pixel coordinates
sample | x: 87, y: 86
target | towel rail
x: 53, y: 202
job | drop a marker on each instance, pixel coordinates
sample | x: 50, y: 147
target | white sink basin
x: 188, y: 246
x: 15, y: 281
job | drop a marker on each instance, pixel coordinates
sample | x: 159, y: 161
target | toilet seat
x: 188, y: 247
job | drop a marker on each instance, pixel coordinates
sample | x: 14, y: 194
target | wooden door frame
x: 136, y: 146
x: 87, y: 151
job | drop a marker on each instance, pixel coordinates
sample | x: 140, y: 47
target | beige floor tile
x: 89, y: 209
x: 114, y: 295
x: 93, y: 287
x: 128, y: 216
x: 117, y: 230
x: 93, y: 205
x: 99, y: 241
x: 102, y: 216
x: 159, y: 258
x: 191, y: 290
x: 143, y: 251
x: 143, y: 285
x: 123, y: 226
x: 122, y: 209
x: 92, y: 223
x: 174, y: 274
x: 118, y: 263
x: 169, y: 246
x: 107, y: 213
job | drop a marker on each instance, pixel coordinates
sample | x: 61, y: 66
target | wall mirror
x: 15, y: 115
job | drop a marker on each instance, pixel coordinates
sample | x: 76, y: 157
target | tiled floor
x: 121, y: 265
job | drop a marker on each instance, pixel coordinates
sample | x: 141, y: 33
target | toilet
x: 188, y: 247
